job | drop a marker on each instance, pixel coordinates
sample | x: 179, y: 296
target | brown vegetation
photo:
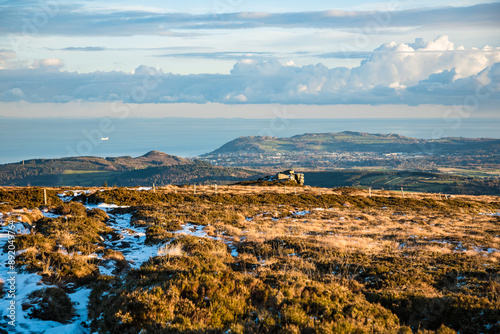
x: 309, y: 260
x: 50, y: 304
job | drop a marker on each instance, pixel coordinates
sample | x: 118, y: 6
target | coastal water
x: 22, y: 139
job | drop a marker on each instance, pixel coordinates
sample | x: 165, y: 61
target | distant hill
x: 356, y: 141
x: 154, y: 166
x: 150, y: 159
x: 197, y: 172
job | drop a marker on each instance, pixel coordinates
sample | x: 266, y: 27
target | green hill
x: 153, y: 167
x: 356, y: 141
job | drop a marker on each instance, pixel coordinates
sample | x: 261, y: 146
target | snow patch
x: 490, y: 214
x: 194, y: 230
x: 68, y: 195
x: 300, y: 213
x: 48, y: 214
x: 74, y: 328
x: 142, y: 188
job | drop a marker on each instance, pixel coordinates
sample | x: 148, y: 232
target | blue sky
x: 364, y: 53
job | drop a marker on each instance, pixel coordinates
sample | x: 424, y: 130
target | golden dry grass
x: 425, y: 261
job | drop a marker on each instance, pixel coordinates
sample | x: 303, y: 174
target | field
x: 411, y: 181
x: 250, y: 259
x: 471, y: 172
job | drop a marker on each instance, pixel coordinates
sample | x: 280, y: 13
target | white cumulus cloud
x: 47, y: 63
x: 417, y: 72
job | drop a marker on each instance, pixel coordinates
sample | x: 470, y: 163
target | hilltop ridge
x: 152, y: 167
x: 152, y: 158
x: 354, y: 141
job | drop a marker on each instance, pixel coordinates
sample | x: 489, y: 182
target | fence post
x: 402, y: 192
x: 370, y: 191
x: 45, y: 196
x: 194, y: 189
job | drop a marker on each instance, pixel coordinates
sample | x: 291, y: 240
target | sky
x: 79, y: 58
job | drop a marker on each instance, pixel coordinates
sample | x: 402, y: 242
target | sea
x: 48, y: 138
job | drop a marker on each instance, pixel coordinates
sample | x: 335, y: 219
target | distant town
x: 334, y: 160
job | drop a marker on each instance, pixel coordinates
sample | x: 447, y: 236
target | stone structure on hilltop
x: 288, y: 175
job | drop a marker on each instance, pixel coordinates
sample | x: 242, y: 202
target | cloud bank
x: 74, y: 20
x: 434, y: 72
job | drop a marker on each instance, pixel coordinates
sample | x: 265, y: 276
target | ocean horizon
x: 47, y: 138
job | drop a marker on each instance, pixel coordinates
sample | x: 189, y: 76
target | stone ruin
x: 288, y: 175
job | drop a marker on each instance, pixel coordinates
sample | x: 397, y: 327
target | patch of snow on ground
x: 105, y: 206
x: 74, y: 328
x: 80, y: 298
x: 26, y: 283
x: 132, y: 239
x: 106, y: 268
x: 68, y: 195
x: 48, y: 214
x: 486, y: 250
x: 22, y: 228
x: 194, y: 230
x: 234, y: 251
x: 300, y: 213
x: 197, y: 231
x: 490, y: 214
x: 142, y: 188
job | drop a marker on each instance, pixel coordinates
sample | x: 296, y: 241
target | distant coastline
x: 24, y: 139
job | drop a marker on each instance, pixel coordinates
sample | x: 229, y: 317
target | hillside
x: 153, y: 167
x: 350, y: 150
x: 198, y: 172
x: 250, y: 260
x: 356, y: 141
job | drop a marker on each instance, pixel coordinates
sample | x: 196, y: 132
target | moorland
x: 253, y: 259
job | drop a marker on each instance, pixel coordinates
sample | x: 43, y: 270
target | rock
x: 282, y: 177
x: 36, y: 214
x: 299, y: 177
x: 124, y: 244
x: 288, y: 175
